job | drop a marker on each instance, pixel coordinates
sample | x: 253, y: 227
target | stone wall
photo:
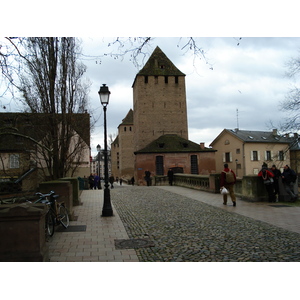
x: 22, y: 231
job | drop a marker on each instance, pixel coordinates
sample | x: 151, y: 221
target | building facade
x: 245, y: 151
x: 23, y: 158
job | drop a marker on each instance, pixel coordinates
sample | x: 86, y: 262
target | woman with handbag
x: 268, y: 181
x: 227, y: 181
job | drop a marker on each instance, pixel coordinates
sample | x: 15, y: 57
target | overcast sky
x: 239, y: 84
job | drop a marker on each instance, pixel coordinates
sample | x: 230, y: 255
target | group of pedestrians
x: 95, y: 181
x: 270, y: 179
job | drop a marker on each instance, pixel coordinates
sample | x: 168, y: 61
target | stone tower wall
x: 126, y: 160
x: 159, y: 106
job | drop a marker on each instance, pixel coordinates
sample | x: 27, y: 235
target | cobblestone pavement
x: 184, y: 229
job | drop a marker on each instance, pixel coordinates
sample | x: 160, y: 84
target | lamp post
x: 107, y: 208
x: 99, y: 154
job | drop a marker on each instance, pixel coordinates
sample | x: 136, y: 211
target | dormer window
x: 161, y: 145
x: 185, y: 145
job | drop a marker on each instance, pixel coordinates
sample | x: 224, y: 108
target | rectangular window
x: 227, y: 157
x: 176, y: 79
x: 156, y: 79
x: 146, y: 79
x: 255, y: 155
x: 194, y: 164
x: 14, y: 161
x: 268, y: 155
x: 159, y: 165
x: 238, y: 151
x: 280, y: 155
x: 166, y: 79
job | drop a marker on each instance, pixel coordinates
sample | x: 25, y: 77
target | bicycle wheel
x: 63, y: 216
x: 49, y: 224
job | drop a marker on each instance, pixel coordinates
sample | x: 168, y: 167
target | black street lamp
x: 99, y: 154
x: 107, y: 208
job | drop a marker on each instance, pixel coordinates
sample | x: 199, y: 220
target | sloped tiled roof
x: 251, y: 136
x: 116, y: 140
x: 172, y: 143
x: 36, y: 126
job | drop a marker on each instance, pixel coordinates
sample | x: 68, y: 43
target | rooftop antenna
x: 237, y: 118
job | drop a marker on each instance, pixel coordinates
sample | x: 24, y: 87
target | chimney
x: 275, y: 132
x: 202, y: 145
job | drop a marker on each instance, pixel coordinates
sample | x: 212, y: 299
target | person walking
x: 96, y: 181
x: 111, y: 181
x: 171, y: 176
x: 289, y: 178
x: 91, y: 181
x: 228, y: 180
x: 148, y: 177
x: 132, y: 180
x: 268, y: 180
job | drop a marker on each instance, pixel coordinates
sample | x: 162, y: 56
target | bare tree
x: 51, y: 85
x: 138, y: 49
x: 291, y: 104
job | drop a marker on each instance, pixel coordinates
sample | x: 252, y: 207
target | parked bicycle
x: 57, y: 212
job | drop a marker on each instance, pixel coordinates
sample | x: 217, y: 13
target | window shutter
x: 230, y: 155
x: 258, y: 155
x: 251, y: 155
x: 224, y: 157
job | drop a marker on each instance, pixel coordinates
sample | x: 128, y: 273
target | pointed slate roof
x: 159, y: 64
x: 172, y: 143
x: 128, y: 120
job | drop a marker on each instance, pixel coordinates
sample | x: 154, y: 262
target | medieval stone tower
x: 159, y: 101
x: 159, y: 108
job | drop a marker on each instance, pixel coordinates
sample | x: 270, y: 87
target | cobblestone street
x: 184, y: 229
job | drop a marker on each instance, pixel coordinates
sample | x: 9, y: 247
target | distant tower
x: 159, y: 101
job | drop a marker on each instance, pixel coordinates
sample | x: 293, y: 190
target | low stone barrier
x: 250, y: 188
x: 75, y: 187
x: 65, y: 191
x: 22, y: 231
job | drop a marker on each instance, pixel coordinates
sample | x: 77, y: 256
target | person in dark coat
x: 96, y: 181
x: 91, y: 181
x: 148, y: 177
x: 267, y: 177
x: 132, y: 180
x: 111, y: 181
x: 289, y: 178
x: 170, y: 176
x: 277, y: 175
